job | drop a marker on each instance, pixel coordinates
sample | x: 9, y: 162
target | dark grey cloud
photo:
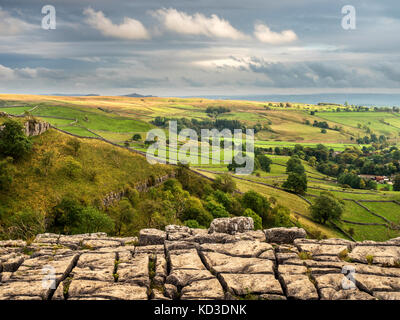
x: 78, y: 55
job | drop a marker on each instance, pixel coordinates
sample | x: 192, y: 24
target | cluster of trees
x: 372, y: 139
x: 366, y: 161
x: 261, y: 162
x: 197, y: 125
x: 187, y: 199
x: 354, y: 181
x: 217, y: 110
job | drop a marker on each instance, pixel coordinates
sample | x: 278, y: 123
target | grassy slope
x: 114, y: 169
x: 124, y: 116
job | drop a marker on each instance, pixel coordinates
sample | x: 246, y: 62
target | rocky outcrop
x: 34, y: 128
x: 31, y: 128
x: 231, y: 225
x: 184, y: 263
x: 284, y: 235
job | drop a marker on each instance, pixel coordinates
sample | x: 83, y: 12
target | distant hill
x: 137, y: 95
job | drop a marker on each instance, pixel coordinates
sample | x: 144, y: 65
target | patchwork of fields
x: 117, y: 119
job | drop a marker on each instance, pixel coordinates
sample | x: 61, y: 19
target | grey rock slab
x: 387, y: 255
x: 240, y: 248
x: 151, y: 237
x: 242, y: 284
x: 231, y: 225
x: 220, y: 263
x: 135, y: 270
x: 284, y: 235
x: 203, y: 289
x: 183, y: 277
x: 380, y: 295
x: 188, y: 259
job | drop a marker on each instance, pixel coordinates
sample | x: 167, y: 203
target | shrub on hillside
x: 216, y: 209
x: 74, y: 145
x: 256, y: 218
x: 6, y: 174
x: 13, y: 141
x: 70, y: 217
x: 71, y: 167
x: 265, y: 162
x: 195, y: 211
x: 25, y: 224
x: 192, y: 224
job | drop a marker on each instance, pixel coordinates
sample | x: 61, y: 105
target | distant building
x: 378, y: 179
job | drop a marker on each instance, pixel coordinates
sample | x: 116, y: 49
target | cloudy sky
x: 202, y: 47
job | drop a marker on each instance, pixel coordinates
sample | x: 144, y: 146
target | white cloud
x: 6, y: 73
x: 197, y: 24
x: 10, y: 26
x: 264, y: 34
x: 130, y: 29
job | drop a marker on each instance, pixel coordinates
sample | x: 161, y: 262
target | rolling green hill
x: 117, y: 119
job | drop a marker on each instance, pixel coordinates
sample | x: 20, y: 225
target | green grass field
x: 118, y: 118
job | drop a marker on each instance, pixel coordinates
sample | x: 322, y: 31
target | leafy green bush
x: 70, y: 217
x: 71, y: 167
x: 216, y: 209
x: 256, y: 218
x: 13, y: 141
x: 6, y: 173
x: 195, y: 211
x: 192, y: 224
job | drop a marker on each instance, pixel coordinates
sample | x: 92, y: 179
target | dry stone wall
x: 183, y: 264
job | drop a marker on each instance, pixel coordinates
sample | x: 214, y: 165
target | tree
x: 13, y: 141
x: 296, y: 182
x: 294, y: 165
x: 258, y: 203
x: 312, y: 161
x: 265, y: 162
x: 396, y: 183
x: 326, y: 207
x: 137, y: 137
x: 122, y: 215
x: 281, y: 216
